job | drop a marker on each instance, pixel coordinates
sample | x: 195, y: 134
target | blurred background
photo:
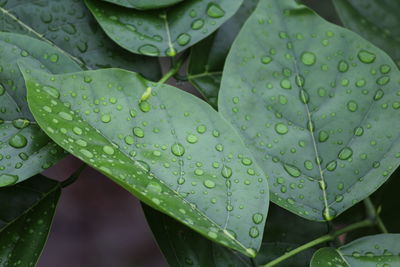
x: 98, y: 223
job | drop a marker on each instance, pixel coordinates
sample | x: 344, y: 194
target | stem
x: 176, y: 66
x: 70, y: 180
x: 320, y: 240
x: 373, y: 214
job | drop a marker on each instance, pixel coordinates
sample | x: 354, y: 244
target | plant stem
x: 176, y: 66
x: 320, y: 240
x: 70, y: 180
x: 373, y: 214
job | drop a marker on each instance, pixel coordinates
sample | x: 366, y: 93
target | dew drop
x: 149, y: 50
x: 352, y: 106
x: 308, y: 58
x: 183, y: 39
x: 106, y: 118
x: 192, y: 139
x: 281, y: 128
x: 304, y: 97
x: 254, y: 233
x: 154, y: 187
x: 8, y: 179
x: 109, y: 150
x: 197, y: 24
x: 138, y: 132
x: 65, y: 116
x: 345, y: 153
x: 209, y: 184
x: 18, y: 141
x: 51, y: 91
x: 258, y: 218
x: 144, y: 106
x: 178, y: 150
x: 226, y: 172
x: 329, y: 214
x: 323, y: 136
x: 343, y: 66
x: 292, y: 170
x: 379, y: 94
x: 366, y: 56
x: 215, y: 11
x: 20, y: 123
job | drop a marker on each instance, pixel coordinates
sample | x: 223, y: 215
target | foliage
x: 296, y: 109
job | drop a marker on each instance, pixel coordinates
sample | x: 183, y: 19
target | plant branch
x: 320, y: 240
x: 70, y: 180
x: 374, y: 215
x: 176, y: 66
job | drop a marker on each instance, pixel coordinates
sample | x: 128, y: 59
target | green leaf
x: 377, y: 21
x: 172, y: 151
x: 182, y: 246
x: 24, y: 149
x: 144, y: 4
x: 207, y: 58
x: 26, y: 213
x: 163, y: 32
x: 317, y: 105
x: 69, y: 25
x: 370, y: 251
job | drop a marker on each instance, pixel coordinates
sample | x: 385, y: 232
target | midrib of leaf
x: 326, y: 212
x: 40, y: 36
x: 342, y: 257
x: 44, y: 195
x: 166, y: 25
x: 176, y: 193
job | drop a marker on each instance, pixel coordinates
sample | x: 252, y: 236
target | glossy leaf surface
x: 182, y: 246
x: 370, y: 251
x: 69, y: 25
x: 317, y: 105
x: 162, y: 32
x: 144, y: 4
x: 376, y: 20
x: 207, y: 58
x: 24, y: 149
x: 26, y: 213
x: 173, y: 151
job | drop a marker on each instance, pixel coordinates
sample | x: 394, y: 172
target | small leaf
x: 163, y: 32
x: 377, y: 21
x: 317, y: 105
x: 24, y: 149
x: 370, y: 251
x: 207, y: 58
x: 69, y: 25
x: 26, y: 213
x: 182, y: 246
x: 172, y: 151
x: 144, y: 4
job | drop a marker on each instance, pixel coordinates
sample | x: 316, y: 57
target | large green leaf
x: 173, y: 151
x: 69, y: 25
x: 24, y: 149
x: 207, y: 58
x: 144, y: 4
x: 376, y: 20
x: 26, y: 213
x: 317, y: 105
x: 182, y: 246
x: 370, y: 251
x: 162, y: 32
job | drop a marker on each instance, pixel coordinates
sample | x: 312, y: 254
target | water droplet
x: 254, y: 232
x: 266, y: 60
x: 51, y: 91
x: 108, y: 150
x: 197, y: 24
x: 86, y: 153
x: 8, y: 179
x: 215, y: 11
x: 149, y: 50
x: 343, y: 66
x: 345, y: 153
x: 286, y: 84
x: 106, y: 118
x: 258, y: 218
x: 54, y: 58
x: 18, y: 141
x: 308, y: 58
x: 154, y: 187
x: 352, y: 106
x: 65, y: 116
x: 304, y: 97
x: 366, y: 56
x: 281, y: 128
x: 177, y: 149
x: 201, y: 129
x: 137, y: 131
x: 144, y: 106
x: 183, y: 39
x: 77, y: 130
x: 358, y: 131
x: 226, y: 172
x: 209, y: 184
x: 2, y: 89
x: 323, y: 136
x: 20, y: 123
x: 379, y: 94
x: 192, y: 139
x: 292, y: 170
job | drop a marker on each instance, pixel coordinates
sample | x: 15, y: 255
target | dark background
x: 99, y: 224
